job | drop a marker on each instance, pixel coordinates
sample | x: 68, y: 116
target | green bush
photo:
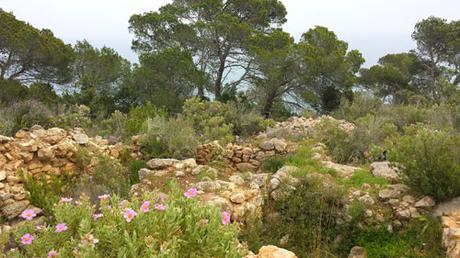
x: 44, y: 192
x: 365, y: 143
x: 249, y: 124
x: 136, y: 120
x: 73, y: 116
x: 183, y: 229
x: 169, y: 138
x: 107, y: 176
x: 308, y: 216
x: 211, y: 120
x: 25, y: 114
x: 362, y: 105
x: 429, y: 160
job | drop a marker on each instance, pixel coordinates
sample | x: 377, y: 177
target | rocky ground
x: 231, y: 177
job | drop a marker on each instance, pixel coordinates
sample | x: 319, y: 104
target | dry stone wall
x: 39, y: 152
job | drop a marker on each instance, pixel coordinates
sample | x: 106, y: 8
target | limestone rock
x: 161, y: 163
x: 383, y: 169
x: 357, y: 252
x: 425, y: 202
x: 393, y: 191
x: 271, y: 251
x: 81, y: 138
x: 12, y: 210
x: 2, y: 175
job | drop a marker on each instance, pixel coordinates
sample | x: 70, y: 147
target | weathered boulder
x: 81, y: 138
x: 272, y: 251
x: 161, y: 163
x: 384, y: 169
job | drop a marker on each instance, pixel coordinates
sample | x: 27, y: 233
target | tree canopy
x: 29, y: 55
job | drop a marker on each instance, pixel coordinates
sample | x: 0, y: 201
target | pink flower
x: 145, y: 207
x: 52, y: 254
x: 192, y: 192
x: 27, y: 239
x: 28, y: 214
x: 225, y: 218
x: 160, y: 207
x: 61, y: 227
x: 98, y: 216
x: 66, y: 200
x: 129, y: 214
x: 103, y: 197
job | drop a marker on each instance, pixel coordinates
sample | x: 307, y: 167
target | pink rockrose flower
x: 27, y: 239
x: 160, y: 207
x: 129, y: 215
x: 28, y: 214
x: 52, y: 254
x: 66, y: 200
x: 98, y: 216
x: 61, y: 227
x: 191, y: 193
x: 103, y: 197
x: 145, y: 207
x: 225, y: 218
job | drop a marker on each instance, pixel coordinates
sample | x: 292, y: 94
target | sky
x: 375, y: 27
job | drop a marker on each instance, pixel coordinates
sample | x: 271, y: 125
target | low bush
x: 147, y: 227
x: 429, y: 160
x: 169, y: 138
x: 136, y: 120
x: 23, y: 115
x: 307, y: 219
x: 211, y: 120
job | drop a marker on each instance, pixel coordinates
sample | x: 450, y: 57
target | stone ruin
x: 40, y: 152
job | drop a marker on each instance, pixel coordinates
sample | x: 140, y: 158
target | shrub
x: 429, y: 160
x: 44, y: 192
x: 365, y: 143
x: 137, y: 117
x: 362, y: 105
x: 183, y: 229
x: 107, y: 176
x: 251, y: 123
x: 25, y: 114
x: 308, y: 216
x: 73, y: 116
x: 169, y: 138
x: 211, y: 120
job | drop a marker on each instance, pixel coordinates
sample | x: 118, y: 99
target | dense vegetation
x: 224, y: 71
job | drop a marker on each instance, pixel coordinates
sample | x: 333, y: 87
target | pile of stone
x: 242, y: 158
x: 405, y: 206
x: 41, y: 152
x: 301, y: 126
x: 449, y: 212
x: 236, y: 194
x: 271, y: 251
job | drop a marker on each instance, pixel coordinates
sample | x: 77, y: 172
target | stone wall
x: 243, y: 158
x: 42, y: 152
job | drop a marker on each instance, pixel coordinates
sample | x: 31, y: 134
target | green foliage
x: 429, y: 160
x: 309, y: 216
x: 421, y: 238
x: 211, y: 120
x: 137, y: 117
x: 215, y: 38
x: 360, y: 177
x: 23, y: 115
x: 44, y: 192
x: 329, y: 69
x: 364, y: 143
x: 184, y: 229
x: 73, y: 116
x: 30, y: 55
x: 107, y: 176
x: 169, y: 138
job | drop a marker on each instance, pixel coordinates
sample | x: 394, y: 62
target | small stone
x: 425, y: 202
x: 237, y: 198
x: 81, y: 138
x: 161, y: 163
x: 180, y: 173
x: 357, y: 252
x: 2, y: 175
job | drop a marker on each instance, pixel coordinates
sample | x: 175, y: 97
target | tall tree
x: 393, y: 75
x: 329, y: 70
x: 98, y: 74
x: 163, y: 78
x: 29, y: 55
x: 214, y: 32
x: 274, y: 79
